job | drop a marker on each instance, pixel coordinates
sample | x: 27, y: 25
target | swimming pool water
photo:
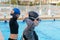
x: 46, y: 30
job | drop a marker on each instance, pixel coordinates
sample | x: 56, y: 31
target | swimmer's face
x: 12, y: 12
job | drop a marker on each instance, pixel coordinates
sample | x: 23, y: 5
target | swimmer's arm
x: 29, y: 24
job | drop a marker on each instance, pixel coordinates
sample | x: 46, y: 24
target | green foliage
x: 31, y: 4
x: 7, y: 2
x: 14, y: 2
x: 58, y: 4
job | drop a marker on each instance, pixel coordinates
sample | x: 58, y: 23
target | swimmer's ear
x: 17, y: 15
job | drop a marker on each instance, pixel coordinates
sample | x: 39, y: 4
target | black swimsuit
x: 13, y: 25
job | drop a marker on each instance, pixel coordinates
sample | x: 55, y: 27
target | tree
x: 58, y: 4
x: 14, y: 2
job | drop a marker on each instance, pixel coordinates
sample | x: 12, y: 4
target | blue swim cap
x: 16, y: 11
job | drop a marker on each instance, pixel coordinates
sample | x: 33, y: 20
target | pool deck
x: 43, y: 17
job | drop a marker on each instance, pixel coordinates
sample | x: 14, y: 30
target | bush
x: 31, y: 4
x: 58, y: 4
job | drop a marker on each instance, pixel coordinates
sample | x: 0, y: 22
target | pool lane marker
x: 1, y: 36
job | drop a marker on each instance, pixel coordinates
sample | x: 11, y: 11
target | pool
x: 46, y: 30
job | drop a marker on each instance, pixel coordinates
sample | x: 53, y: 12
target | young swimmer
x: 5, y: 20
x: 13, y: 24
x: 32, y: 21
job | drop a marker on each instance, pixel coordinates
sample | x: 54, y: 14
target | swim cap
x: 16, y: 11
x: 33, y: 14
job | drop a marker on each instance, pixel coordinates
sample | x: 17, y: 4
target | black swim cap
x: 33, y: 14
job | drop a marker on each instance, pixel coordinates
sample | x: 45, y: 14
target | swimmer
x: 32, y: 21
x: 5, y: 20
x: 13, y: 24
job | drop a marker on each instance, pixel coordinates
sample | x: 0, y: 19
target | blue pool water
x: 46, y: 30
